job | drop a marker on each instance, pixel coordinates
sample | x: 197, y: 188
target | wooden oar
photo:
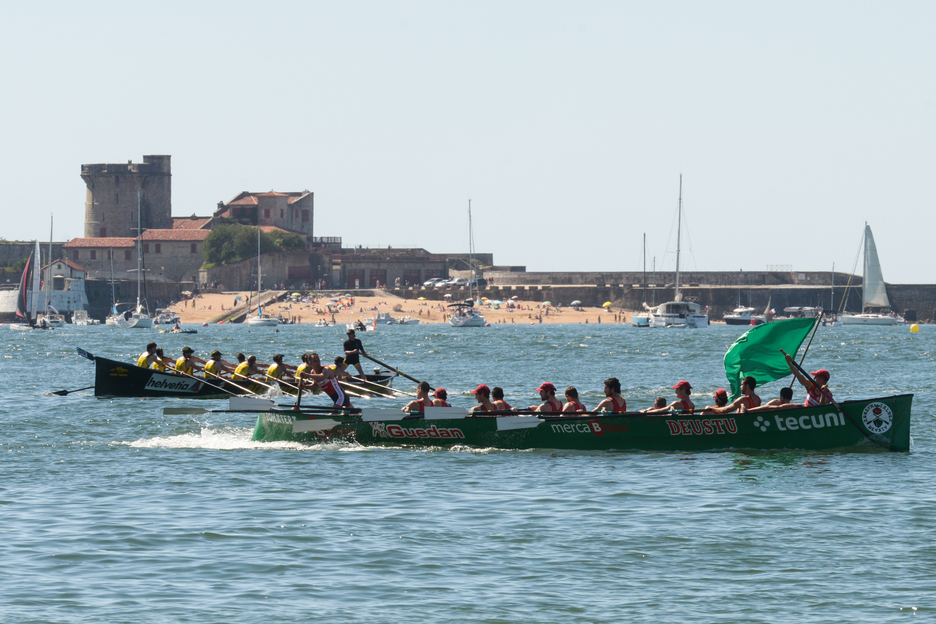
x: 211, y: 385
x: 382, y: 387
x: 305, y: 410
x: 65, y: 392
x: 388, y: 367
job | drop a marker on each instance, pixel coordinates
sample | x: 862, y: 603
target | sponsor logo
x: 384, y: 430
x: 171, y: 383
x: 707, y: 426
x: 119, y: 371
x: 806, y: 421
x: 592, y: 426
x: 877, y: 417
x: 761, y: 423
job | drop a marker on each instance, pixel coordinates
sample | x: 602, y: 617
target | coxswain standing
x: 353, y: 349
x: 614, y: 402
x: 817, y: 390
x: 483, y: 395
x: 682, y: 402
x: 548, y: 395
x: 422, y: 400
x: 147, y: 358
x: 325, y: 379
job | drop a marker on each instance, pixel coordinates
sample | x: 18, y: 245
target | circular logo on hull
x: 877, y: 417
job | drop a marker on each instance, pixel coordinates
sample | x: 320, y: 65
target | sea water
x: 111, y: 511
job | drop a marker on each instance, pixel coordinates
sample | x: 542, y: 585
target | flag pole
x: 805, y: 351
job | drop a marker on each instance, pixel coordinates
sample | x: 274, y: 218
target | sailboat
x: 22, y: 295
x: 642, y: 319
x: 465, y: 314
x: 135, y: 317
x: 260, y: 319
x: 50, y: 318
x: 873, y: 290
x: 678, y: 313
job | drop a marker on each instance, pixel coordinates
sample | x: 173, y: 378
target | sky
x: 568, y: 124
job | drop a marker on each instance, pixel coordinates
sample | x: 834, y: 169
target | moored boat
x: 876, y: 423
x: 744, y: 316
x: 873, y: 290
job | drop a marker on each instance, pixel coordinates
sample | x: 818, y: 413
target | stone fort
x: 116, y: 191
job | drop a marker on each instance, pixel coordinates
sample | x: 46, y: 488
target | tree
x: 230, y: 242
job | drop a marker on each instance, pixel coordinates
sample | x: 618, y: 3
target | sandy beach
x: 206, y: 307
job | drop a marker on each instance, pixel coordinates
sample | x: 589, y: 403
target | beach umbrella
x: 484, y: 298
x: 576, y: 302
x: 546, y: 303
x: 606, y: 304
x: 496, y: 302
x: 515, y: 297
x: 186, y: 292
x: 420, y: 298
x: 447, y: 296
x: 333, y: 299
x: 296, y: 295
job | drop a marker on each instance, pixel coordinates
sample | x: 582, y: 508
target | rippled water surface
x: 114, y: 512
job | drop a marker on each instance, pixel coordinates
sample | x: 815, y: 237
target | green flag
x: 757, y: 353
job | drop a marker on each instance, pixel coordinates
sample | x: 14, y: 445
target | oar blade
x: 173, y: 411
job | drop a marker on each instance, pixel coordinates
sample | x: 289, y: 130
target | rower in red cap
x: 440, y: 398
x: 548, y: 394
x: 483, y: 395
x: 817, y: 391
x: 682, y: 402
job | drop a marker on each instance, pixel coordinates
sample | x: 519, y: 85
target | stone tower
x: 111, y: 201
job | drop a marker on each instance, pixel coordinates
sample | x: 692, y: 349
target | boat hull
x: 873, y: 424
x: 120, y: 379
x: 870, y: 319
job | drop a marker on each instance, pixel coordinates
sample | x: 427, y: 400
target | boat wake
x: 215, y: 438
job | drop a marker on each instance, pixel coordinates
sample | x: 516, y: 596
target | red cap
x: 682, y: 385
x: 482, y: 389
x: 719, y: 392
x: 441, y: 393
x: 821, y: 373
x: 546, y: 386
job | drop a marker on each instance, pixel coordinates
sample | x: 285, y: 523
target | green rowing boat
x: 878, y: 423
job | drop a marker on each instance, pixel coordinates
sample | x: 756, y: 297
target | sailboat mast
x: 258, y: 262
x: 645, y: 261
x: 678, y: 236
x: 470, y: 252
x: 35, y: 284
x: 139, y: 245
x: 49, y: 278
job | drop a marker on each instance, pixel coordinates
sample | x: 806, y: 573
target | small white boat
x: 744, y: 316
x: 640, y: 320
x: 51, y: 319
x: 81, y: 318
x: 166, y: 317
x: 464, y: 315
x: 384, y: 318
x: 134, y: 318
x: 262, y: 320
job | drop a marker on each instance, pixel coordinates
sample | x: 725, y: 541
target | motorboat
x: 744, y: 316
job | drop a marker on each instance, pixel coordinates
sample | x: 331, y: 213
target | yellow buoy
x: 914, y: 328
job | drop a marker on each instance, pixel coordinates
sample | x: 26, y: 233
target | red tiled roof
x: 67, y: 263
x: 175, y: 235
x: 189, y: 223
x: 100, y: 243
x: 247, y: 200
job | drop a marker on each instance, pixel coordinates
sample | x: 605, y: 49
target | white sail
x: 874, y: 293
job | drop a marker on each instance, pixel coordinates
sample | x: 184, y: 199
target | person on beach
x: 483, y: 396
x: 613, y: 402
x: 747, y: 400
x: 817, y: 390
x: 352, y: 349
x: 325, y: 379
x: 682, y: 402
x: 422, y: 400
x: 784, y: 402
x: 440, y: 398
x: 497, y: 394
x: 147, y: 358
x: 548, y: 395
x: 572, y: 401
